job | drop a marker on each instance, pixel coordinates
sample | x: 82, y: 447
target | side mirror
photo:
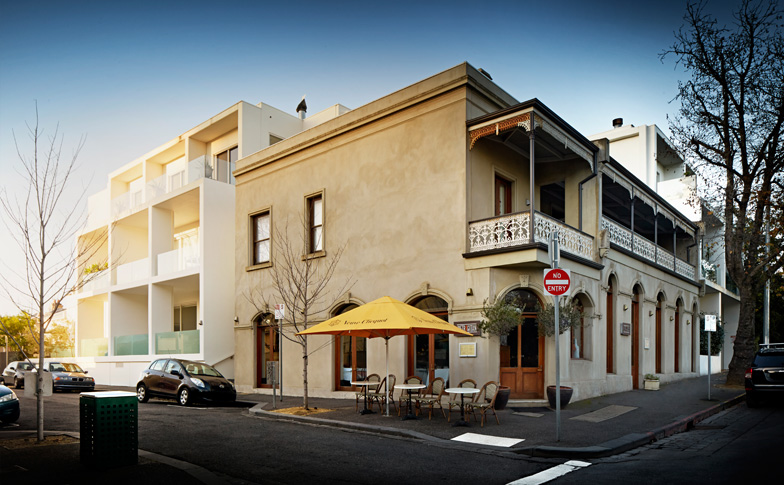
x: 85, y: 372
x: 176, y: 373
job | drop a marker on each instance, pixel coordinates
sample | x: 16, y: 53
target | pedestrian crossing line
x: 480, y: 439
x: 551, y: 473
x: 604, y: 413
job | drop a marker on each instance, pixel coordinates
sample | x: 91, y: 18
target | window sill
x: 255, y: 267
x: 317, y: 254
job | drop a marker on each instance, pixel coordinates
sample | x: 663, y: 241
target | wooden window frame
x: 313, y: 251
x: 252, y: 217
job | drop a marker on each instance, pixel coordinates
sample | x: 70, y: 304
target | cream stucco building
x: 443, y: 195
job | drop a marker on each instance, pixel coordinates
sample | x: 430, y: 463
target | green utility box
x: 109, y: 429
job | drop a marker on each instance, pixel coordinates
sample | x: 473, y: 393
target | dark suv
x: 184, y: 380
x: 765, y: 377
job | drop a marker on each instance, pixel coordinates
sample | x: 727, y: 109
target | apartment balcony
x: 178, y: 260
x: 513, y: 230
x: 134, y: 271
x: 131, y: 345
x: 642, y: 247
x: 185, y: 342
x: 97, y: 282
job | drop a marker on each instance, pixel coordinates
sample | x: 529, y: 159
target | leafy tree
x: 731, y: 127
x: 20, y: 338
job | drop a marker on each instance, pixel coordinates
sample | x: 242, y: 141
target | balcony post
x: 531, y: 189
x: 632, y: 228
x: 674, y: 247
x: 656, y: 234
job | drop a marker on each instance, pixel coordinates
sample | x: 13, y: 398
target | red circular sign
x: 557, y: 282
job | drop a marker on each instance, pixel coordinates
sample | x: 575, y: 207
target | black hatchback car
x: 765, y: 377
x: 184, y: 380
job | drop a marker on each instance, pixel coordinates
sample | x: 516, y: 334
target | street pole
x: 280, y: 357
x: 555, y: 256
x: 766, y: 294
x: 710, y: 354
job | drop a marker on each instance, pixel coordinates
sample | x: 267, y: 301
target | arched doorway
x: 428, y: 355
x: 522, y: 351
x: 636, y: 309
x: 267, y: 344
x: 350, y: 357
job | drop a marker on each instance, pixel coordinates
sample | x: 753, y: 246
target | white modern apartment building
x: 647, y: 152
x: 162, y: 282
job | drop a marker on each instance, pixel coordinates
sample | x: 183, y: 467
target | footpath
x: 591, y: 428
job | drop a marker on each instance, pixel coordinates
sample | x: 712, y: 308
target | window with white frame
x: 261, y: 237
x: 315, y: 206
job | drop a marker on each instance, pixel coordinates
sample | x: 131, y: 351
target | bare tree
x: 44, y: 227
x: 302, y: 282
x: 730, y: 124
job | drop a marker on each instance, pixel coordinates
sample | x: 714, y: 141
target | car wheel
x: 11, y: 419
x: 141, y: 393
x: 184, y: 396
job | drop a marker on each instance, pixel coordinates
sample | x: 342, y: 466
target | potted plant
x: 570, y: 317
x: 500, y: 318
x: 651, y: 382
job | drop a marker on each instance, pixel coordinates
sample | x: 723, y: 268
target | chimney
x: 617, y: 122
x: 302, y: 108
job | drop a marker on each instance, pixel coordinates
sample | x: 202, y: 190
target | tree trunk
x: 744, y: 346
x: 39, y: 377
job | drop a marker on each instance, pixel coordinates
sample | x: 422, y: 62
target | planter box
x: 651, y: 385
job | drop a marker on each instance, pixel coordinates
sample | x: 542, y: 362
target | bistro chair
x: 360, y: 395
x: 432, y: 397
x: 380, y: 395
x: 454, y: 399
x: 485, y: 401
x: 403, y: 399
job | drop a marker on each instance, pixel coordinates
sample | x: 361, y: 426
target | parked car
x: 13, y: 374
x: 765, y: 377
x: 69, y: 377
x: 9, y: 405
x: 184, y: 380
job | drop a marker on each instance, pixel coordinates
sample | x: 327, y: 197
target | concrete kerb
x: 633, y: 440
x: 608, y: 448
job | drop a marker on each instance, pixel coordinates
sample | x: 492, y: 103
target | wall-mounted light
x: 688, y: 322
x: 671, y: 318
x: 625, y: 307
x: 650, y: 313
x: 236, y: 320
x: 470, y: 292
x: 201, y: 323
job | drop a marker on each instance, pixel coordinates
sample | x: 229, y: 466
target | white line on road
x: 551, y: 473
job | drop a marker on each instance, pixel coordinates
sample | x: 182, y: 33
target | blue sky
x: 131, y: 76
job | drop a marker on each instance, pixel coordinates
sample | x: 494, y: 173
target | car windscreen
x: 196, y: 369
x: 24, y: 366
x: 70, y: 368
x: 769, y: 360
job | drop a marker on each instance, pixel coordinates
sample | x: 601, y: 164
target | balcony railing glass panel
x: 185, y: 342
x: 178, y: 260
x: 94, y: 347
x: 135, y: 271
x: 131, y: 345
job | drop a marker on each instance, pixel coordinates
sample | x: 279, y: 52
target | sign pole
x: 710, y: 327
x: 555, y: 256
x: 709, y: 363
x: 280, y: 313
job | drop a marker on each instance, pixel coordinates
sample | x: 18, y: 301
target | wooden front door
x: 266, y: 349
x: 522, y: 361
x: 503, y: 196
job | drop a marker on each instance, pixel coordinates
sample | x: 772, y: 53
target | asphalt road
x: 738, y: 445
x: 243, y: 449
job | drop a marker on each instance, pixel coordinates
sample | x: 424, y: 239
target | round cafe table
x: 365, y: 384
x: 409, y: 388
x: 462, y: 391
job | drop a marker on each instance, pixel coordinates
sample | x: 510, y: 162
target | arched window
x: 428, y: 355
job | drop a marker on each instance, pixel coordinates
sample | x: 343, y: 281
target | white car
x: 14, y: 373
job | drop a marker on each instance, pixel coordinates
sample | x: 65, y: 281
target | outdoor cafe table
x: 409, y: 388
x: 462, y: 391
x: 365, y: 384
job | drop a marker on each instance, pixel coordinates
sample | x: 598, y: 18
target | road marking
x: 551, y: 473
x: 604, y: 413
x: 530, y: 415
x: 481, y: 439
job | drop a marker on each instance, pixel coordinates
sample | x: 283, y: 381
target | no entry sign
x: 557, y: 282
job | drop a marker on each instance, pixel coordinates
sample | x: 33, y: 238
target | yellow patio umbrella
x: 385, y: 318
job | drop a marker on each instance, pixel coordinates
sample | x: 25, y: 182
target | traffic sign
x: 280, y: 311
x: 557, y: 282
